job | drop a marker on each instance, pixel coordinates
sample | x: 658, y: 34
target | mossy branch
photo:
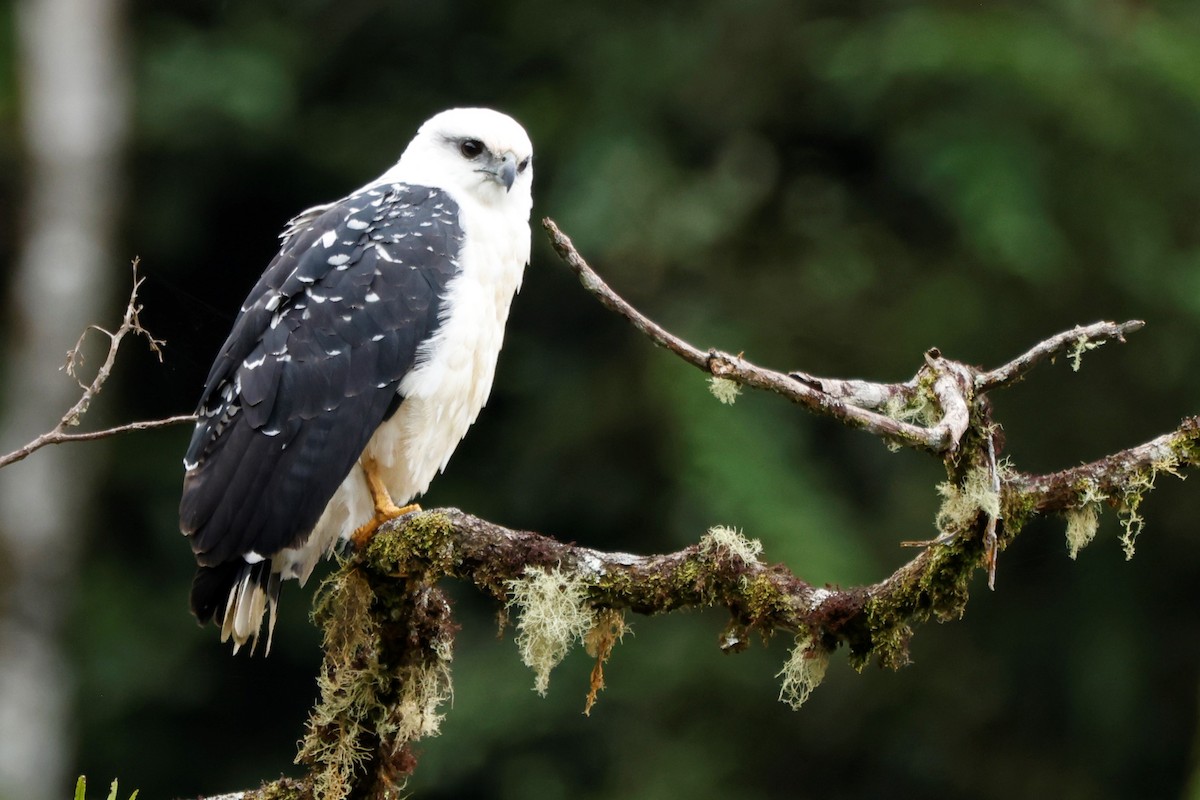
x: 407, y: 557
x: 873, y: 621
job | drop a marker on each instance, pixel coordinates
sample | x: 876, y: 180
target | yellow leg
x: 385, y: 509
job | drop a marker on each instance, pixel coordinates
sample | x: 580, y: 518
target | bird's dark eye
x: 470, y: 148
x: 524, y: 163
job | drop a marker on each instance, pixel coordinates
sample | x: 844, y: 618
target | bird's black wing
x: 312, y: 365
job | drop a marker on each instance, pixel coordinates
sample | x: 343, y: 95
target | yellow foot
x: 363, y: 533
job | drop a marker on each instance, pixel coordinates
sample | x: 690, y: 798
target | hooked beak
x: 503, y: 170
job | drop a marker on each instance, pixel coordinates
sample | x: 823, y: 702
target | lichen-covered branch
x: 388, y: 647
x: 717, y: 571
x: 726, y: 571
x: 564, y: 595
x: 1108, y: 479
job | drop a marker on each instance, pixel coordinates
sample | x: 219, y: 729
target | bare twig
x: 863, y: 394
x: 725, y: 365
x: 130, y: 323
x: 990, y: 539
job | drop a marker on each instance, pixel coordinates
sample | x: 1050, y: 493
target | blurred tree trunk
x: 74, y: 120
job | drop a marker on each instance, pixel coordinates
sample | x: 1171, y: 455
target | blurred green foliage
x: 830, y: 186
x: 81, y: 790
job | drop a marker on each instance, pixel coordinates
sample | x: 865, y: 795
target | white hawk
x: 356, y: 365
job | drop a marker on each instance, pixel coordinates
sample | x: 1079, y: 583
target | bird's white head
x: 474, y: 153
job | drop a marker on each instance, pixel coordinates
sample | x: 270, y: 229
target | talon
x: 363, y: 533
x: 385, y: 509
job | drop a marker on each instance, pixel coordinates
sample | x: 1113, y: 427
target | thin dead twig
x: 130, y: 323
x: 725, y: 365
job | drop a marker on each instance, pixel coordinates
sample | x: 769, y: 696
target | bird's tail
x: 236, y: 595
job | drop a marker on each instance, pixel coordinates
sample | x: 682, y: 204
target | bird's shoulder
x: 364, y: 235
x: 390, y: 217
x: 366, y: 264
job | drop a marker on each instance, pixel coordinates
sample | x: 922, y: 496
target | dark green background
x: 832, y: 187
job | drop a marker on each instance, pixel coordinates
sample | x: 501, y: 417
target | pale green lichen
x: 916, y: 408
x: 724, y: 389
x: 1169, y: 463
x: 1082, y: 524
x: 1090, y: 492
x: 1134, y: 491
x: 369, y: 697
x: 1132, y: 522
x: 960, y: 504
x: 803, y: 671
x: 350, y: 696
x: 1081, y: 346
x: 552, y: 615
x: 414, y: 715
x: 733, y: 542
